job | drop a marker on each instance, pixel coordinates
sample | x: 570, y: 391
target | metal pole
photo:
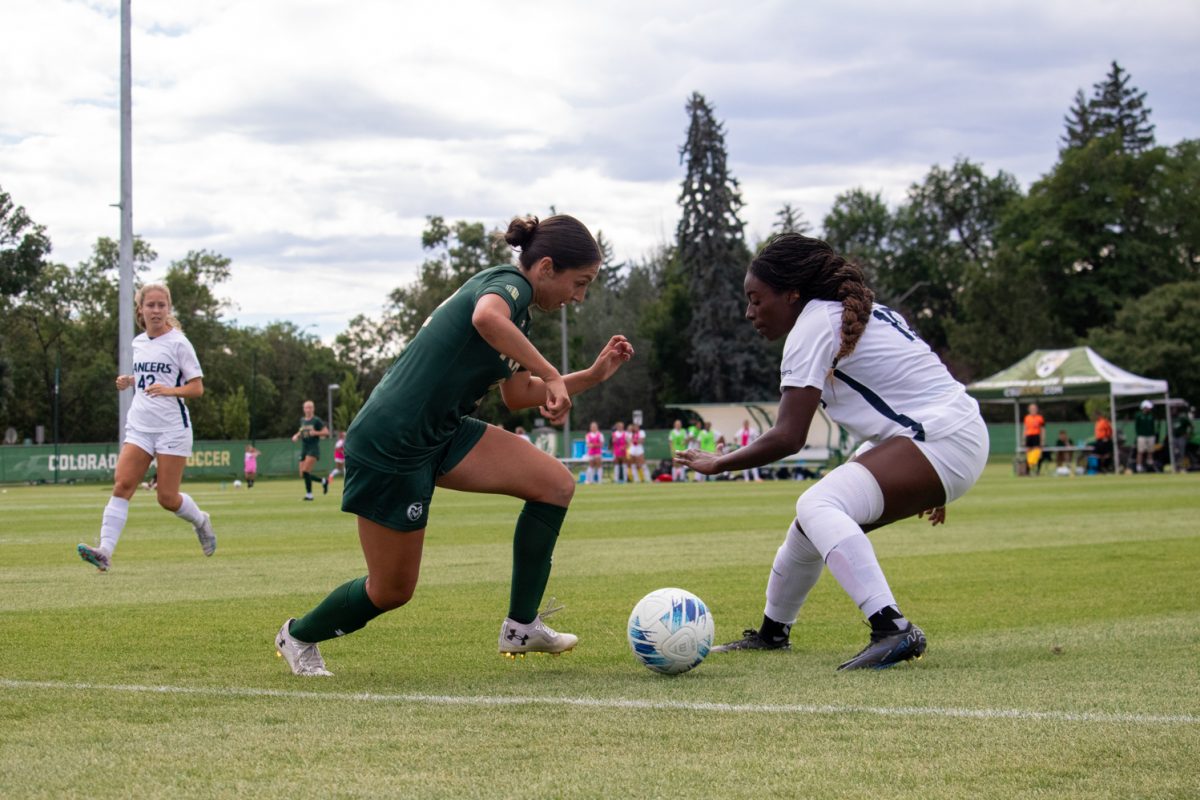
x: 1112, y: 406
x: 564, y: 369
x: 329, y: 399
x: 57, y: 384
x: 253, y: 390
x: 125, y: 293
x: 1170, y: 435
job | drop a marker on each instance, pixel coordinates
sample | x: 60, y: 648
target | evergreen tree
x: 1081, y: 125
x: 1115, y: 109
x: 728, y: 361
x: 791, y: 220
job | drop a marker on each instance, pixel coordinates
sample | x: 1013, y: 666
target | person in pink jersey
x: 620, y: 451
x: 637, y: 453
x: 594, y: 444
x: 250, y: 464
x: 745, y: 435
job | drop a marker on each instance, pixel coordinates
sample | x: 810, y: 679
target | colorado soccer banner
x: 69, y: 463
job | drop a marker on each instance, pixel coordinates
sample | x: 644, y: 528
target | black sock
x: 773, y: 631
x: 249, y: 483
x: 887, y: 620
x: 308, y: 483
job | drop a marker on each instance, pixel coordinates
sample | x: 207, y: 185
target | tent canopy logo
x: 1048, y: 364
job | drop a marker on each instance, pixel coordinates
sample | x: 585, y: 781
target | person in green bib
x: 708, y: 441
x: 415, y: 432
x: 679, y: 442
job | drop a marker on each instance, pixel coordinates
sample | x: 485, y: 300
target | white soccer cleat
x: 208, y: 539
x: 517, y: 639
x: 94, y: 556
x: 304, y: 659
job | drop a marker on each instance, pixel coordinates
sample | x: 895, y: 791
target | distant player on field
x: 165, y: 373
x: 250, y: 464
x: 339, y: 460
x: 924, y: 442
x: 593, y: 444
x: 312, y: 430
x: 415, y: 432
x: 637, y: 453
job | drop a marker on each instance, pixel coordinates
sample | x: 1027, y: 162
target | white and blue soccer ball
x: 670, y: 631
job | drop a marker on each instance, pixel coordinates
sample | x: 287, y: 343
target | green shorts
x: 400, y: 500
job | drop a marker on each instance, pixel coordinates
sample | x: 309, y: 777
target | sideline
x: 618, y: 703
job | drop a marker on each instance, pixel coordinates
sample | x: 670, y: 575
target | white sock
x: 854, y: 565
x: 112, y: 523
x: 646, y: 473
x: 797, y: 567
x: 189, y: 511
x: 832, y: 514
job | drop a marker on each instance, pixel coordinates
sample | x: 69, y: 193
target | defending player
x: 312, y: 430
x: 924, y: 442
x: 165, y: 373
x: 415, y: 433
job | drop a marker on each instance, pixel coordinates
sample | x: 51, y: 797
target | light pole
x: 329, y: 396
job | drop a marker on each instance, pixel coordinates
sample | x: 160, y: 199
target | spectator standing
x: 620, y: 451
x: 1145, y: 427
x: 1182, y: 428
x: 1035, y: 438
x: 678, y: 438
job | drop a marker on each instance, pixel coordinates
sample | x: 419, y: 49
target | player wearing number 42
x: 165, y: 373
x: 924, y: 443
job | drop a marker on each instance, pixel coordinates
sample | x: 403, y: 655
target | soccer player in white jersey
x: 924, y: 442
x: 165, y: 373
x: 745, y: 435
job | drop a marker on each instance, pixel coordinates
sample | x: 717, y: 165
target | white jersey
x: 168, y: 359
x: 891, y: 385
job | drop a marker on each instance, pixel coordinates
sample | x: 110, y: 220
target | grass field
x: 1064, y: 658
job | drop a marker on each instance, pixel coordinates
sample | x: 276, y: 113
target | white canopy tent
x: 1072, y: 374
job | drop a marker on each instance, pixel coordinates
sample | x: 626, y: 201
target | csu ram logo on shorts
x: 414, y: 511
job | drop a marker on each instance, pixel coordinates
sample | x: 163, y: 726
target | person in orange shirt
x: 1102, y: 446
x: 1035, y: 438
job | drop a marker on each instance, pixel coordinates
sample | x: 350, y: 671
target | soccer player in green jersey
x: 310, y: 433
x: 415, y: 433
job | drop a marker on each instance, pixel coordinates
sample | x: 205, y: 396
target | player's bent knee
x: 169, y: 500
x: 388, y: 598
x: 848, y: 491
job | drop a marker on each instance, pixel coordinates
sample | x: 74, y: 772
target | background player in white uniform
x: 745, y: 435
x: 924, y: 443
x: 165, y: 373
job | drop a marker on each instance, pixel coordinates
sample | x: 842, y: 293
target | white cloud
x: 308, y: 139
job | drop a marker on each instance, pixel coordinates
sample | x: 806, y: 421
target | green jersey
x: 439, y: 377
x: 678, y: 439
x: 1144, y: 424
x: 708, y: 441
x: 310, y: 442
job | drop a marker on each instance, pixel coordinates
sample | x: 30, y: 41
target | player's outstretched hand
x: 937, y: 516
x: 702, y: 462
x: 615, y: 353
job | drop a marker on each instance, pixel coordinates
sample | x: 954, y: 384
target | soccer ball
x: 237, y: 484
x: 670, y: 631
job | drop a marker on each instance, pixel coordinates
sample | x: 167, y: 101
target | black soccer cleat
x: 889, y: 648
x: 753, y: 640
x: 324, y: 485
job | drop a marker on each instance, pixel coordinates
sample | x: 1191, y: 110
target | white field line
x: 618, y: 703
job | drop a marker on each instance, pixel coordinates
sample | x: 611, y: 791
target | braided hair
x: 794, y: 262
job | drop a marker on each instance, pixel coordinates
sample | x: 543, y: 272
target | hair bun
x: 521, y: 231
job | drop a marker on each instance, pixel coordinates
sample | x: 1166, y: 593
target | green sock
x: 533, y: 549
x: 307, y: 483
x: 345, y: 610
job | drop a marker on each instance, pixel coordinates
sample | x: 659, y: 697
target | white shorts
x: 958, y: 459
x: 637, y: 450
x: 161, y: 443
x: 1145, y: 444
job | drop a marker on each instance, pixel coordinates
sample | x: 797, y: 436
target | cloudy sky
x: 308, y: 139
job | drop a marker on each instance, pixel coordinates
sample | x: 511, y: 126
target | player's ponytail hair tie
x: 561, y: 238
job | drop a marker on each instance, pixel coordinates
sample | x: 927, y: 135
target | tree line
x: 1104, y: 250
